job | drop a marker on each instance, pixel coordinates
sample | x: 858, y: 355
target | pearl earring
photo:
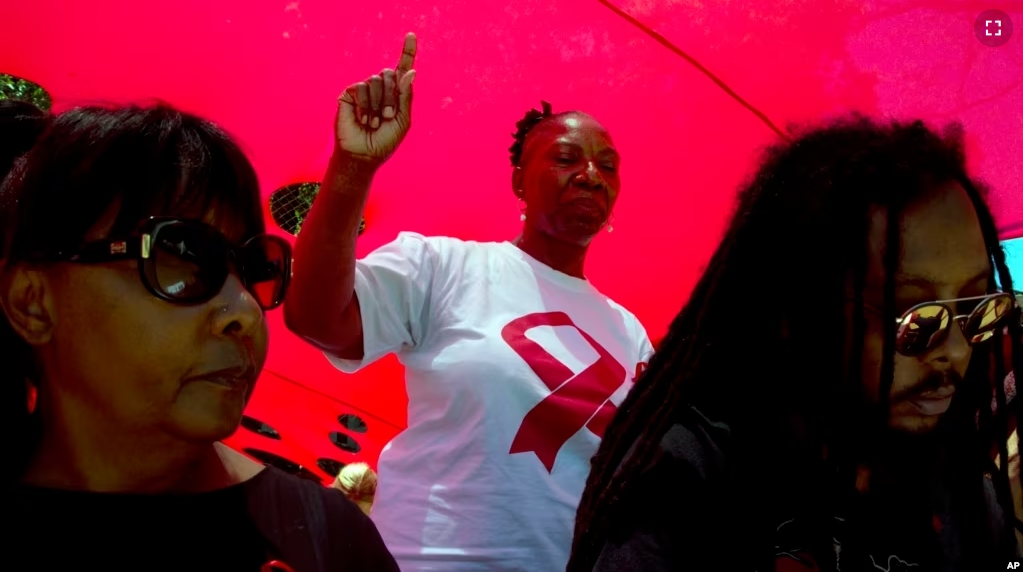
x: 609, y: 221
x: 522, y: 210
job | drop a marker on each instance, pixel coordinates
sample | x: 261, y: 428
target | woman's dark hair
x: 67, y: 172
x: 532, y: 118
x: 764, y: 344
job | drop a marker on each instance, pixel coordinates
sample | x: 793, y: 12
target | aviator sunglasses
x: 925, y: 326
x: 188, y: 262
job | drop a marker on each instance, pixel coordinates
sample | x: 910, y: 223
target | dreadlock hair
x: 532, y: 118
x: 760, y: 369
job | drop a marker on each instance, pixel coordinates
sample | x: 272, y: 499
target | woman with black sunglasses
x: 135, y: 276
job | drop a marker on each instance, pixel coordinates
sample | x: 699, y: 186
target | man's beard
x: 913, y: 453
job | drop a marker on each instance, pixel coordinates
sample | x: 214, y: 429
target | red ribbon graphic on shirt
x: 575, y: 400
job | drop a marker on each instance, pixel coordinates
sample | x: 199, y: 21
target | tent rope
x: 692, y: 61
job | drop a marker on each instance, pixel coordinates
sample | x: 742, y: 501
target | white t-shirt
x: 513, y: 370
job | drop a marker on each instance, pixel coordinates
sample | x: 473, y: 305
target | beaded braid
x: 532, y: 118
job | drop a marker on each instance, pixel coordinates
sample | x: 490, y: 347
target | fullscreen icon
x: 993, y: 28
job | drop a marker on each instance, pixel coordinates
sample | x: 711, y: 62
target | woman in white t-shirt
x: 514, y: 362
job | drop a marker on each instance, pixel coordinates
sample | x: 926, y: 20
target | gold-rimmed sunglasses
x: 925, y: 326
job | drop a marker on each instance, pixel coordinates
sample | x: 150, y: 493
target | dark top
x: 681, y: 514
x: 273, y: 516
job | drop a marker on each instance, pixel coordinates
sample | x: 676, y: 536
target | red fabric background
x: 269, y: 71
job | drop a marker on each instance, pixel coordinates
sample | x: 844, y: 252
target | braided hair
x: 532, y: 118
x: 759, y: 368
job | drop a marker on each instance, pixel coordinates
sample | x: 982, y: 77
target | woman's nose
x: 240, y: 313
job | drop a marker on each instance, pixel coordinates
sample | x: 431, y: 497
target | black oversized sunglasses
x: 188, y: 262
x: 924, y: 326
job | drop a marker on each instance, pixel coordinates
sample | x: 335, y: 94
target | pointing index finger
x: 408, y: 55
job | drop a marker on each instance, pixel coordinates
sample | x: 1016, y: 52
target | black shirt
x: 273, y: 516
x: 681, y: 514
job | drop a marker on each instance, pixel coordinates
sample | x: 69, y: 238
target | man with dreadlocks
x: 514, y: 362
x: 845, y: 422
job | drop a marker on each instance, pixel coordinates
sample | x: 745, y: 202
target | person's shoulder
x: 307, y: 494
x: 627, y: 315
x: 339, y: 528
x: 694, y: 445
x: 634, y: 327
x: 441, y: 247
x: 410, y: 237
x: 678, y: 498
x: 696, y: 437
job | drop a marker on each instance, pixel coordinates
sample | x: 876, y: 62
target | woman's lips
x: 588, y: 206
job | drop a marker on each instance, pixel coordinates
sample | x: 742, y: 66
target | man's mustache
x: 932, y: 382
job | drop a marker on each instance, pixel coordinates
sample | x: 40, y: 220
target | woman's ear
x: 517, y: 182
x: 27, y: 301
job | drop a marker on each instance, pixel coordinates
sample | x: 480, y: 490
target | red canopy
x: 270, y: 72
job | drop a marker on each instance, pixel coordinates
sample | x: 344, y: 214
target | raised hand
x: 375, y: 115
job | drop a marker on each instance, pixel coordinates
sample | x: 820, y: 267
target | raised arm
x: 373, y: 118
